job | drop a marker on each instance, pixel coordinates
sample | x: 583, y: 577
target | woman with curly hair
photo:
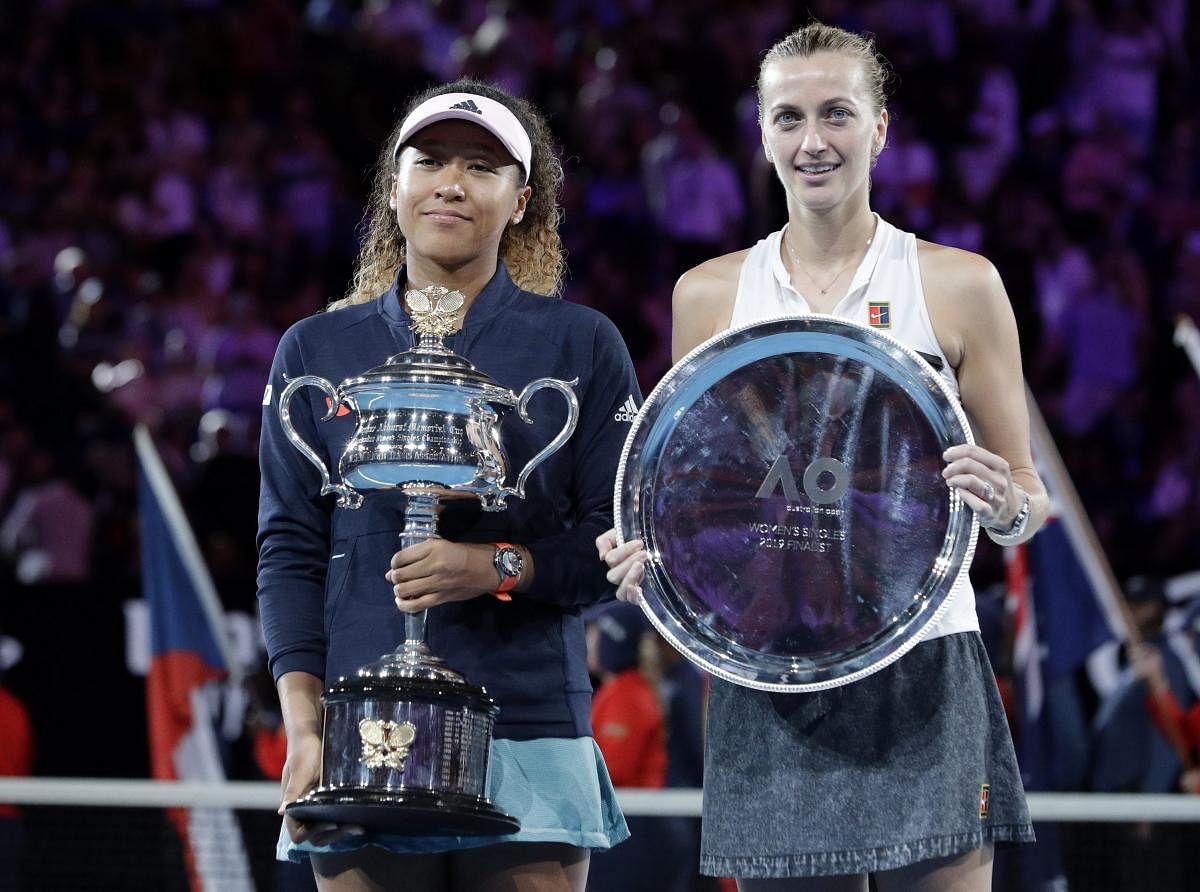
x: 464, y: 197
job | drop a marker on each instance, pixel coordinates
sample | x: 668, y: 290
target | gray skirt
x: 912, y: 763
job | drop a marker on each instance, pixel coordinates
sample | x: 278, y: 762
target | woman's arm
x: 300, y: 703
x: 293, y: 529
x: 975, y: 326
x: 702, y: 303
x: 438, y: 571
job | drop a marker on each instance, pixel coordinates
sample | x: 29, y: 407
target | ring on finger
x: 989, y: 491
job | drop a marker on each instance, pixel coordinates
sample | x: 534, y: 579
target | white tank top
x: 885, y: 293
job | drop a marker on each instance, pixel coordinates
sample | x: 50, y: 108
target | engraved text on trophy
x: 825, y: 481
x: 429, y: 436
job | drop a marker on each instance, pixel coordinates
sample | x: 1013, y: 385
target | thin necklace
x: 838, y: 275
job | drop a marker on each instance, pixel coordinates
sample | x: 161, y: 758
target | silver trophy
x: 785, y: 477
x: 406, y: 738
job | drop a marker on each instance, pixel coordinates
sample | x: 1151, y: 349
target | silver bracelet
x: 1015, y: 529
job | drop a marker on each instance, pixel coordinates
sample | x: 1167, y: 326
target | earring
x: 516, y: 219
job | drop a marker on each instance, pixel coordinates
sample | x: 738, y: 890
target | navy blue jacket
x: 325, y: 605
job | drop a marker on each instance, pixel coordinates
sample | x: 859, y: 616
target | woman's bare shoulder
x: 711, y: 286
x: 966, y: 299
x: 952, y: 273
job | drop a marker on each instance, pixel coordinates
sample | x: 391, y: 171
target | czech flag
x: 189, y: 656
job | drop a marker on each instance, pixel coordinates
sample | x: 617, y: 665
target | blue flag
x: 1070, y: 619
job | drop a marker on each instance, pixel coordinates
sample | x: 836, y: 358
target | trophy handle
x: 347, y: 497
x: 567, y: 389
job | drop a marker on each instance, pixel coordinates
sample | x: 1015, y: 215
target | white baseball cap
x: 487, y: 113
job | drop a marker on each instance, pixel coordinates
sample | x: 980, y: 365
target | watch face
x: 509, y: 562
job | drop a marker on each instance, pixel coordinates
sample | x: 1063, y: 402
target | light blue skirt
x: 557, y: 787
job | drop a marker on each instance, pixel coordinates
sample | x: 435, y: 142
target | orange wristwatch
x: 509, y: 564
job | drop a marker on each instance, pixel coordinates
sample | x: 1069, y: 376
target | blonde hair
x: 817, y: 38
x: 531, y: 249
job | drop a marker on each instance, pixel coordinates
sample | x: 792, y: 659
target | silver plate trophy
x: 785, y: 477
x: 406, y: 738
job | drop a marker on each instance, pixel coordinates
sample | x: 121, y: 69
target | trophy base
x: 405, y: 812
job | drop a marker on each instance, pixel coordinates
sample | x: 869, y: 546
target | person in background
x: 1141, y: 743
x: 627, y: 720
x: 682, y: 689
x: 627, y: 717
x: 1175, y: 723
x: 1140, y: 733
x: 16, y: 760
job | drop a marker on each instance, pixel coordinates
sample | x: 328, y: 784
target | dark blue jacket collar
x: 494, y: 299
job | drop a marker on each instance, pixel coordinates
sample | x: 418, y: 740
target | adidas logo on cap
x: 628, y: 410
x: 468, y: 105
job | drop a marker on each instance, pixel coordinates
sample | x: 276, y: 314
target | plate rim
x: 961, y: 579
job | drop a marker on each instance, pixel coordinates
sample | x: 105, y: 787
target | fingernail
x: 354, y: 831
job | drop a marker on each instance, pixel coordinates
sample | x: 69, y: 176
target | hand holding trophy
x: 406, y: 739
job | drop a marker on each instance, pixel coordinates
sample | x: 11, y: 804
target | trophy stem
x: 420, y: 524
x: 414, y: 629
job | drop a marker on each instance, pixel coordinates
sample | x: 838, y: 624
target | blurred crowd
x: 180, y: 180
